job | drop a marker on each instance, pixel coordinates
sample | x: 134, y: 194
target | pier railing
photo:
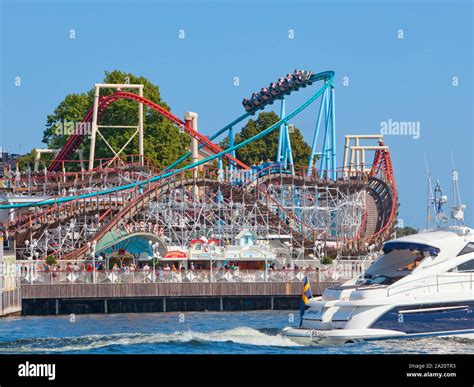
x: 183, y: 276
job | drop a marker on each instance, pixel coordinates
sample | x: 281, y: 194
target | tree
x: 266, y: 147
x: 163, y: 142
x: 24, y: 160
x: 51, y: 260
x: 326, y: 260
x: 400, y: 232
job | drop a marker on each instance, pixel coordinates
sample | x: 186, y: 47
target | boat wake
x: 191, y: 341
x: 241, y: 335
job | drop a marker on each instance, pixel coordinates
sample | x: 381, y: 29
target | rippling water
x: 242, y: 332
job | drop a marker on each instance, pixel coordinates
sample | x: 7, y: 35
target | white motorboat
x: 421, y: 285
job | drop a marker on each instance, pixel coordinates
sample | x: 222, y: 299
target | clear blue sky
x: 407, y: 79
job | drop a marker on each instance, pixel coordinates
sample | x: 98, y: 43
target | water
x: 191, y: 333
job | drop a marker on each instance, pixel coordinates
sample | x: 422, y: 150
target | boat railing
x: 433, y: 283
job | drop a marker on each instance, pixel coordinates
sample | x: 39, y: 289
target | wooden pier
x: 162, y: 297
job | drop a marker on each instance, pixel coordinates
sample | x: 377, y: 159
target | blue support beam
x: 333, y: 133
x: 328, y: 154
x: 284, y: 153
x: 230, y: 136
x: 324, y: 160
x: 289, y: 152
x: 281, y: 136
x: 314, y: 151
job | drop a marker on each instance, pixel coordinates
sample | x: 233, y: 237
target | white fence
x: 199, y: 276
x: 33, y: 272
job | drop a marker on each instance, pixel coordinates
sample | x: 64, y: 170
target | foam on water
x: 240, y: 335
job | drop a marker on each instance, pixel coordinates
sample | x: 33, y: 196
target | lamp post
x: 210, y: 262
x: 72, y: 225
x: 27, y: 243
x: 32, y: 245
x: 92, y: 246
x: 152, y: 247
x: 156, y: 255
x: 318, y: 250
x: 150, y: 243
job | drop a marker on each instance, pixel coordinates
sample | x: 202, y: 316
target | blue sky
x: 409, y: 79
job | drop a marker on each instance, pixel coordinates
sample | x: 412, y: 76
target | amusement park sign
x: 152, y: 228
x: 175, y: 254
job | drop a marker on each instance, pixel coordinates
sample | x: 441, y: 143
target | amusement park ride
x: 302, y: 212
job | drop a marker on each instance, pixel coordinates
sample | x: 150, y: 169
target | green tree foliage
x: 326, y: 260
x: 51, y: 260
x: 24, y: 160
x: 29, y: 158
x: 163, y: 142
x: 266, y: 148
x: 405, y: 231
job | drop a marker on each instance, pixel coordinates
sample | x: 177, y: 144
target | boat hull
x: 428, y: 317
x: 337, y: 336
x: 306, y: 336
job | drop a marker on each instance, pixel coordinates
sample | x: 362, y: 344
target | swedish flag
x: 305, y: 296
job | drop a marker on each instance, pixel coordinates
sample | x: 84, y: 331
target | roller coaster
x: 300, y: 210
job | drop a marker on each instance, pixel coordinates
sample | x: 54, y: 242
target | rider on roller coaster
x: 284, y: 85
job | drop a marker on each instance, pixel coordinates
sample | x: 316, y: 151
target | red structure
x: 75, y: 140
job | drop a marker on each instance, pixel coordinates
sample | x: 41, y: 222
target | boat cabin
x: 422, y: 251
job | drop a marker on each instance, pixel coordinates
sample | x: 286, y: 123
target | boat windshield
x: 379, y: 280
x: 399, y: 259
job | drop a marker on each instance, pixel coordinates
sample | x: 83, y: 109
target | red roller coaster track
x: 76, y: 139
x: 383, y: 163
